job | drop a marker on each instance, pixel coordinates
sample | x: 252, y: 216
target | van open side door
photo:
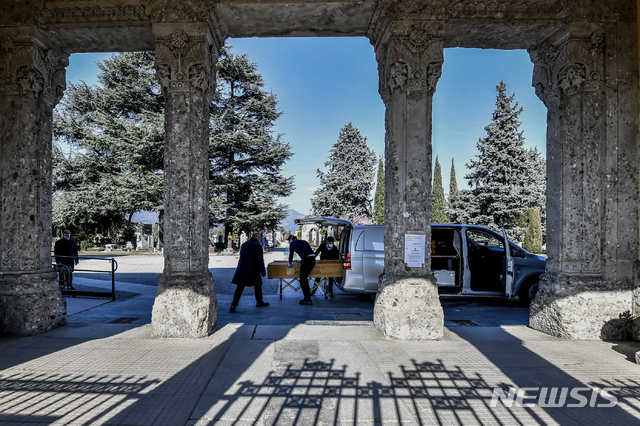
x: 509, y: 266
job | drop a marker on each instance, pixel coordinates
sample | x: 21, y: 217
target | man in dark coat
x: 250, y: 271
x: 328, y: 251
x: 66, y: 253
x: 307, y: 263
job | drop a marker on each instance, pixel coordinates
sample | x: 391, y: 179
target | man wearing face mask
x: 328, y: 251
x: 66, y: 253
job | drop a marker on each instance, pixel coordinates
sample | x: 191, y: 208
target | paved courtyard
x: 323, y: 364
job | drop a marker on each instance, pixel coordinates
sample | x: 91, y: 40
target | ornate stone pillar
x: 592, y: 182
x: 410, y: 57
x: 32, y: 81
x: 185, y: 61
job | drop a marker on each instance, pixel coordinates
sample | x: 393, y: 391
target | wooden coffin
x: 323, y: 268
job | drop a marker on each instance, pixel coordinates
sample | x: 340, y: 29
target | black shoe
x: 305, y: 302
x: 329, y: 296
x: 232, y: 308
x: 262, y: 304
x: 313, y: 292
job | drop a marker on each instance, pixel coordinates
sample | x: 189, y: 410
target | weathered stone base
x: 31, y: 304
x: 185, y: 306
x: 571, y: 307
x: 635, y: 326
x: 408, y: 309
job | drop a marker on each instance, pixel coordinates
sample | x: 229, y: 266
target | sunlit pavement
x: 323, y: 364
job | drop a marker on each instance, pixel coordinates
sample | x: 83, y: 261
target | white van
x: 465, y: 259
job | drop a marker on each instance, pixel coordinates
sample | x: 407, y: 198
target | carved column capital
x: 410, y: 57
x: 29, y: 68
x: 185, y: 58
x: 569, y: 65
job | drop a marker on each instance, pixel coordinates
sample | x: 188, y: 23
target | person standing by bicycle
x: 66, y: 253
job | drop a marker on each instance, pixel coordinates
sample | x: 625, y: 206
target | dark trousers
x: 240, y: 288
x: 306, y: 266
x: 329, y: 288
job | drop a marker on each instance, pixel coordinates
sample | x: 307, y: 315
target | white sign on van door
x: 414, y: 245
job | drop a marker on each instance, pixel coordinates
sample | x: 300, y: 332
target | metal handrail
x: 113, y: 269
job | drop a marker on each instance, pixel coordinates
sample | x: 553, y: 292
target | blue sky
x: 324, y: 83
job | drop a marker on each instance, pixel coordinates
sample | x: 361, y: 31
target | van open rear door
x: 326, y: 222
x: 509, y: 266
x: 343, y: 239
x: 322, y: 221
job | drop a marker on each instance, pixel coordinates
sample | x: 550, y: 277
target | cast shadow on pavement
x: 313, y: 391
x: 541, y: 373
x: 241, y: 378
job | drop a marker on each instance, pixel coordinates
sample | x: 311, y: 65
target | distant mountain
x: 288, y: 224
x: 152, y: 218
x: 145, y: 217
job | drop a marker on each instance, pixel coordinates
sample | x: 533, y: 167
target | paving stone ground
x: 293, y: 365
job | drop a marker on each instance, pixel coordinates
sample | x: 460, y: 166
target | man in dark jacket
x: 66, y: 253
x: 328, y: 251
x: 307, y: 263
x: 250, y: 271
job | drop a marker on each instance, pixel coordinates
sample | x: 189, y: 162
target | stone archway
x: 586, y: 64
x: 313, y: 236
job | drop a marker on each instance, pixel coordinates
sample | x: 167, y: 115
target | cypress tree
x: 438, y: 203
x: 378, y: 206
x: 532, y: 225
x: 453, y: 183
x: 345, y: 188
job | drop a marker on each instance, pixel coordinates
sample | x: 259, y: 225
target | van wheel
x: 527, y: 292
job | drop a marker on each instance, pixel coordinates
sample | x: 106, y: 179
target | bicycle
x: 64, y: 276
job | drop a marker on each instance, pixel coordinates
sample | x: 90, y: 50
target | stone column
x: 32, y: 81
x: 185, y: 61
x: 410, y: 57
x: 592, y: 181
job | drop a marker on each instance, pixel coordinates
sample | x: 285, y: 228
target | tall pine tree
x: 345, y: 188
x: 246, y: 156
x: 506, y: 179
x: 438, y: 203
x: 378, y: 202
x: 115, y: 133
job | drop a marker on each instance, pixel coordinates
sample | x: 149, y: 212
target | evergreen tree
x: 532, y: 225
x: 506, y: 179
x: 378, y: 204
x: 453, y: 183
x: 345, y: 188
x: 438, y: 203
x: 537, y: 186
x: 116, y: 135
x: 115, y: 132
x: 245, y: 155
